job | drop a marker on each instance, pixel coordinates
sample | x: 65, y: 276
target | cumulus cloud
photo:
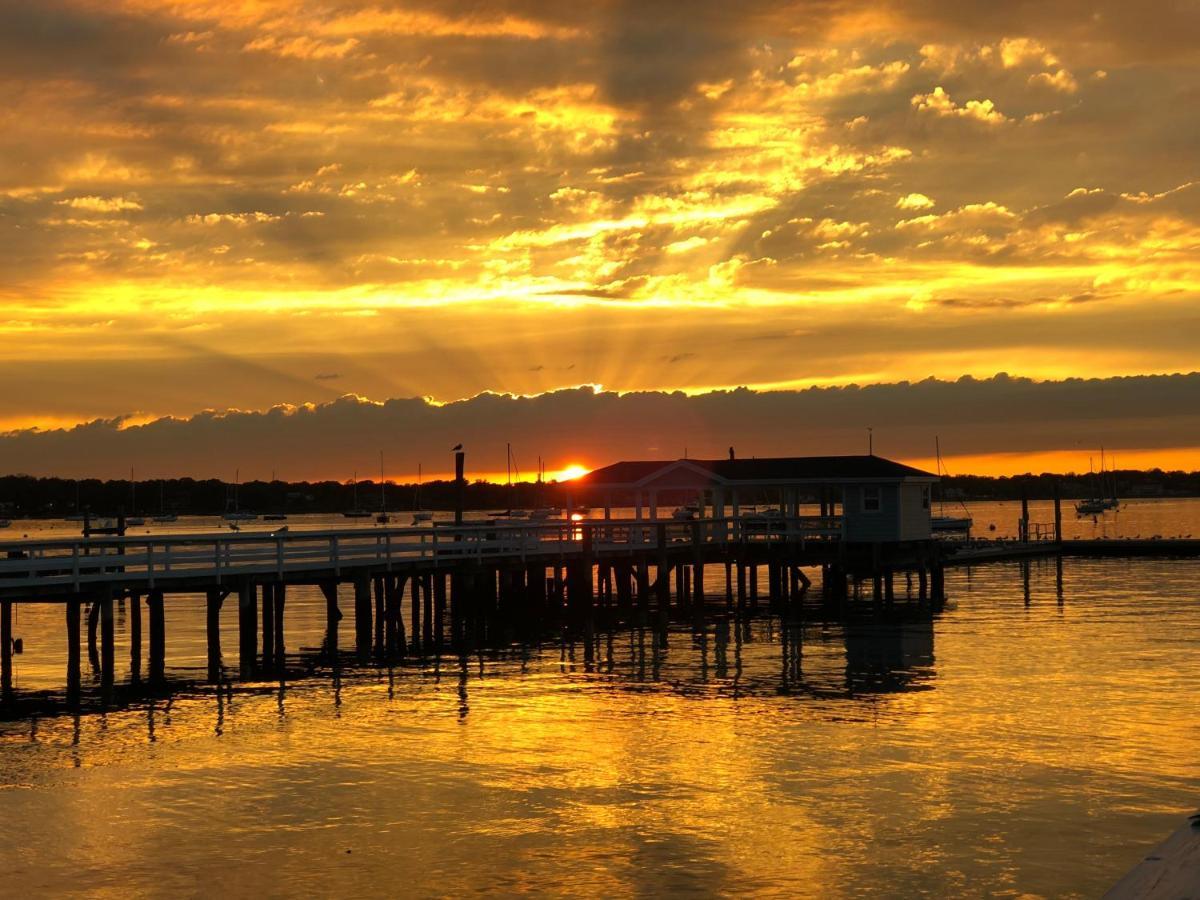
x: 938, y: 102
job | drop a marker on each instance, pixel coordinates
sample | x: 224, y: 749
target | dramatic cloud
x: 205, y: 203
x: 971, y: 417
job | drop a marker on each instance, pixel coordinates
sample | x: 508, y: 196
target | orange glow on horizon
x: 1169, y: 459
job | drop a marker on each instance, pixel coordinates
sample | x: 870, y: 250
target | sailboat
x: 237, y: 515
x: 163, y: 515
x: 420, y: 515
x: 356, y: 512
x: 133, y: 520
x: 942, y: 522
x: 1096, y: 504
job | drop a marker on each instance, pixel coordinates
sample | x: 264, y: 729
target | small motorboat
x: 239, y: 516
x: 683, y: 513
x: 5, y: 523
x: 358, y: 514
x: 134, y: 521
x: 165, y: 517
x: 1090, y: 507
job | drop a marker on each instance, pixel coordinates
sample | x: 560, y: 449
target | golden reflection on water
x: 999, y: 746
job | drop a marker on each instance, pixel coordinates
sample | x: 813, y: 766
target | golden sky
x: 235, y: 205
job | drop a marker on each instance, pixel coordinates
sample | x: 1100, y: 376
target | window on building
x: 870, y: 499
x: 925, y: 497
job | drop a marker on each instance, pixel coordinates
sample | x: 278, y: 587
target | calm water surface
x: 1008, y: 745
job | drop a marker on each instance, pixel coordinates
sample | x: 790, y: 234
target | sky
x: 221, y: 213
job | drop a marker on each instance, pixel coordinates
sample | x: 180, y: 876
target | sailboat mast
x: 382, y: 486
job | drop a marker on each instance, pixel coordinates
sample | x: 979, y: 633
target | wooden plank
x: 1171, y: 871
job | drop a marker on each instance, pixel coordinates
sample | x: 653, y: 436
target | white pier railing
x: 158, y: 560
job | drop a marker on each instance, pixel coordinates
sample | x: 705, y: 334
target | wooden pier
x: 454, y: 581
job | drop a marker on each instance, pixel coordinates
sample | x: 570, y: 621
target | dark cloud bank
x: 334, y: 439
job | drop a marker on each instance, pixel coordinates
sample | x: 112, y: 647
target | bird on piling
x: 455, y: 448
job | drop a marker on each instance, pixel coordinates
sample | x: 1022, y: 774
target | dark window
x: 870, y: 499
x: 925, y: 498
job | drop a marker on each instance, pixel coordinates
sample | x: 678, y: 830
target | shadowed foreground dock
x: 1171, y: 871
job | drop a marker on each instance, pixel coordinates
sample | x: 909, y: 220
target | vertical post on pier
x: 459, y: 487
x: 754, y: 584
x: 268, y: 624
x: 107, y: 648
x: 247, y: 628
x: 213, y: 599
x: 74, y: 611
x: 6, y: 663
x: 1023, y: 529
x: 362, y: 616
x: 698, y: 566
x: 158, y: 638
x: 135, y: 637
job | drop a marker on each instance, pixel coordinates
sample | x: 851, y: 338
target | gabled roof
x: 776, y: 470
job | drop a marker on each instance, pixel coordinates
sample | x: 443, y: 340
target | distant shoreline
x: 47, y: 498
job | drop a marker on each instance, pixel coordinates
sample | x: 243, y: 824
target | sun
x: 574, y: 470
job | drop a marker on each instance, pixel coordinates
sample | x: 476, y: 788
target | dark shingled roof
x: 791, y: 468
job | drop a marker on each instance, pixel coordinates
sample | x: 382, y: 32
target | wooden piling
x: 268, y: 624
x: 427, y: 624
x: 333, y: 616
x: 93, y: 625
x: 280, y: 601
x: 158, y: 636
x: 362, y: 616
x: 1057, y: 515
x: 213, y: 599
x: 247, y: 628
x: 6, y: 651
x: 414, y: 619
x: 74, y: 612
x: 380, y: 615
x: 393, y: 589
x: 107, y: 642
x: 135, y: 637
x: 439, y: 605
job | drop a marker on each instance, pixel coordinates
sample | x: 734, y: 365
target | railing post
x: 279, y: 556
x: 150, y: 564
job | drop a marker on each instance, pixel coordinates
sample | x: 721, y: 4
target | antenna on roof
x: 870, y: 441
x: 731, y: 454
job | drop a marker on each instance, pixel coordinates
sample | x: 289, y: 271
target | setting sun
x: 574, y: 470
